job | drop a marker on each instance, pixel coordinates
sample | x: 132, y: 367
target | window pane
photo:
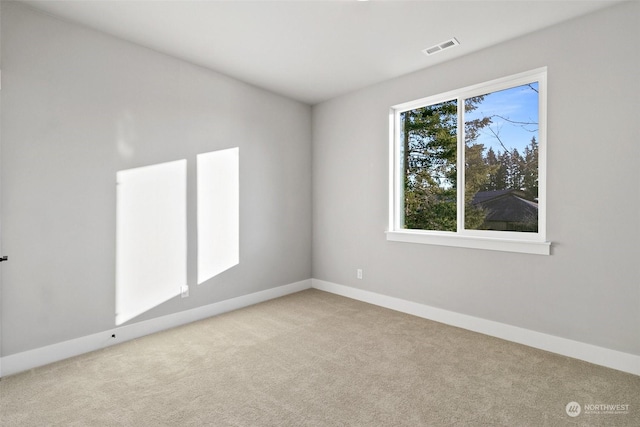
x: 501, y: 160
x: 428, y: 156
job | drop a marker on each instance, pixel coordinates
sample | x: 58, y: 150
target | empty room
x: 319, y: 213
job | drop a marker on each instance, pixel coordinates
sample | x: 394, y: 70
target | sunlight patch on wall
x: 151, y: 237
x: 218, y: 189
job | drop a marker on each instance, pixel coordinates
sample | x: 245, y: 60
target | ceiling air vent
x: 442, y: 46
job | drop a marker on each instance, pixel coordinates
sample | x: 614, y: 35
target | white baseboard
x: 578, y: 350
x: 30, y: 359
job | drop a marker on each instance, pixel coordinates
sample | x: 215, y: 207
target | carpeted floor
x: 317, y: 359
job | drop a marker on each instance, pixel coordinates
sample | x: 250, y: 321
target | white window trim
x: 532, y: 243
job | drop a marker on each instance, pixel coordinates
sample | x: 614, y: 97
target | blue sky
x: 518, y: 104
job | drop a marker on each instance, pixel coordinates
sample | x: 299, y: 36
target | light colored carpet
x: 316, y: 359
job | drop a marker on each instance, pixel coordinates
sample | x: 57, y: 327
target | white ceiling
x: 315, y: 50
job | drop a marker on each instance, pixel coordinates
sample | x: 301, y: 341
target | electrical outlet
x: 359, y: 273
x: 184, y: 291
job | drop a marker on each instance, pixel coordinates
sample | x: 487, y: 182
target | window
x: 468, y: 167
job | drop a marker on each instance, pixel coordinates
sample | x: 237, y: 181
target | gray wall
x: 78, y: 106
x: 589, y: 288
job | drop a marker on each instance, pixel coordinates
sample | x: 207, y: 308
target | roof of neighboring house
x: 506, y: 205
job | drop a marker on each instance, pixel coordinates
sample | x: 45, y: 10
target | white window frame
x: 509, y: 241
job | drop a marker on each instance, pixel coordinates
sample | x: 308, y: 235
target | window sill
x: 492, y: 244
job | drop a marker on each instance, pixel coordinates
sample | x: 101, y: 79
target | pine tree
x: 429, y: 155
x: 530, y: 170
x: 493, y: 180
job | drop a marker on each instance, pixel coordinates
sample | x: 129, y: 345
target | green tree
x: 515, y: 168
x: 493, y: 181
x: 477, y: 168
x: 477, y: 175
x: 429, y: 160
x: 530, y: 170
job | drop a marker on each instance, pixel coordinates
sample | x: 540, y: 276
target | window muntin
x: 481, y: 180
